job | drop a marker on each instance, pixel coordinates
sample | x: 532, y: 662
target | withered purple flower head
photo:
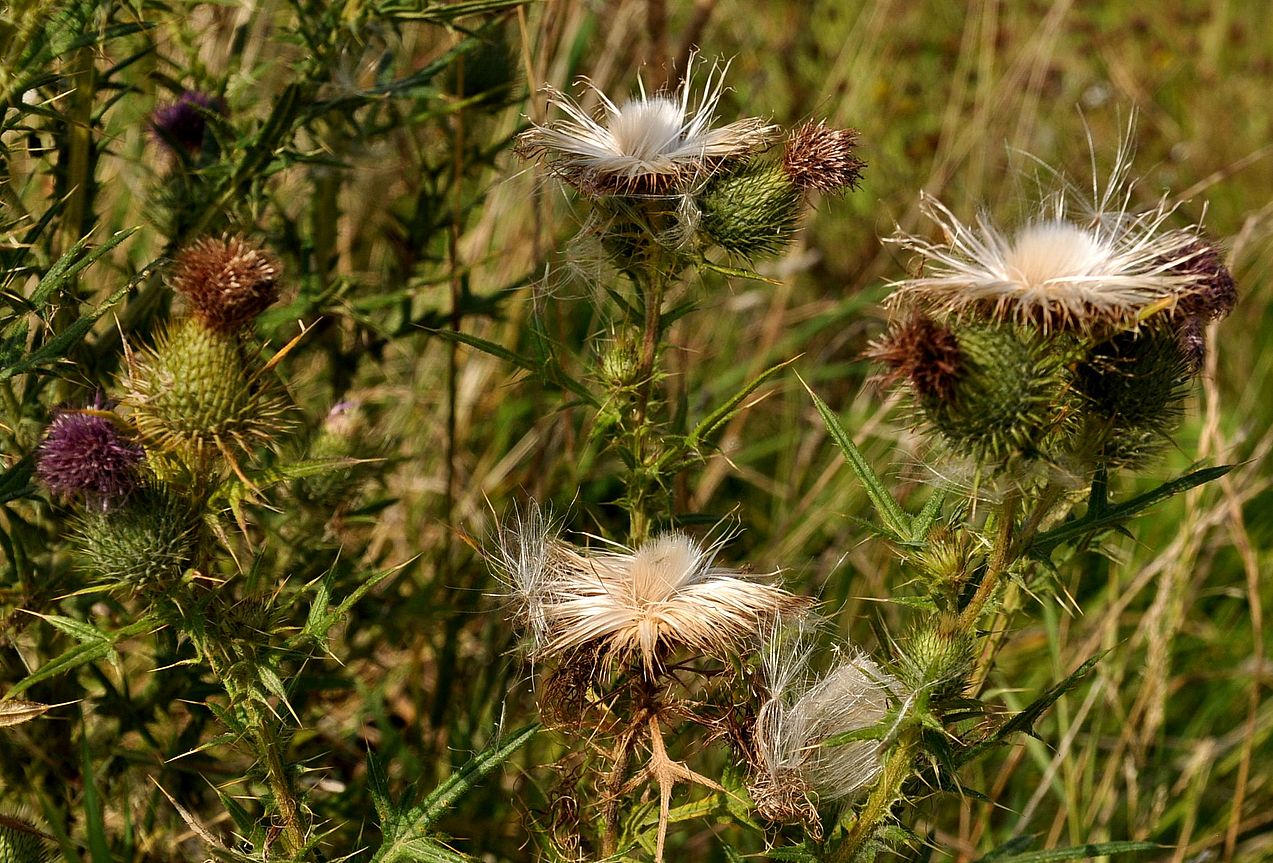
x: 181, y: 124
x: 86, y: 454
x: 822, y: 159
x: 922, y: 351
x: 1214, y: 292
x: 227, y: 281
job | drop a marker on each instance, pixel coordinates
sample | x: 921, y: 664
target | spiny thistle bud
x: 822, y: 159
x: 1134, y: 386
x: 619, y: 362
x: 937, y: 658
x: 198, y: 392
x: 85, y: 453
x: 149, y: 541
x: 21, y: 842
x: 182, y: 125
x: 922, y: 351
x: 228, y: 282
x: 1214, y: 292
x: 993, y: 391
x: 752, y: 211
x: 945, y: 558
x: 342, y: 436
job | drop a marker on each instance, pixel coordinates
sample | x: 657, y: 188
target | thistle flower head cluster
x: 801, y: 755
x: 633, y: 606
x: 87, y: 454
x: 1074, y: 336
x: 670, y: 174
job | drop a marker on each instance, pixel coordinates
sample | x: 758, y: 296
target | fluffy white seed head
x: 1078, y: 262
x: 649, y: 145
x: 803, y: 712
x: 640, y: 604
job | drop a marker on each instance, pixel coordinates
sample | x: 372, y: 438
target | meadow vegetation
x: 289, y: 611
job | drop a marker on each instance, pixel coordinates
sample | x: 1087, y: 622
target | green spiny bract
x: 1010, y: 397
x: 937, y: 658
x: 752, y: 211
x: 198, y: 392
x: 20, y: 842
x: 149, y: 541
x: 1133, y: 388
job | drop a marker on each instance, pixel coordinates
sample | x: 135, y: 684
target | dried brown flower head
x: 922, y: 351
x: 227, y: 281
x: 1214, y: 293
x: 822, y: 159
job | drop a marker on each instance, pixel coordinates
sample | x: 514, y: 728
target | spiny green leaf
x: 405, y: 828
x: 898, y: 523
x: 1111, y: 517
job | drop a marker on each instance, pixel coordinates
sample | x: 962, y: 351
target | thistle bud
x: 619, y: 363
x: 1133, y: 387
x: 752, y: 211
x: 822, y: 159
x: 342, y: 436
x: 181, y: 126
x: 148, y: 542
x: 937, y: 658
x: 992, y: 391
x: 198, y: 392
x: 228, y: 282
x: 85, y: 454
x: 21, y: 842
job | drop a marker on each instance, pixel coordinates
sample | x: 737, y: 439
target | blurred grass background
x: 1169, y: 740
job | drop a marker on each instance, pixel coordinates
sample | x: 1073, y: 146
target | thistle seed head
x: 85, y: 454
x: 822, y: 159
x: 1073, y: 265
x: 651, y: 145
x: 800, y: 720
x: 633, y: 605
x: 228, y: 282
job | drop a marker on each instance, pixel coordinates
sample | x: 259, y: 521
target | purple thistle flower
x: 85, y: 453
x: 181, y: 124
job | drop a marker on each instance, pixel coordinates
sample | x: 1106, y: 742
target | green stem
x: 878, y: 805
x: 1000, y: 559
x: 269, y: 750
x: 642, y: 485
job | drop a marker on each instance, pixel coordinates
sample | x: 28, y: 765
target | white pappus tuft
x: 650, y: 145
x: 1075, y: 263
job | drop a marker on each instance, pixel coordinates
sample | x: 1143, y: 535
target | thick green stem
x: 269, y: 749
x: 878, y: 805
